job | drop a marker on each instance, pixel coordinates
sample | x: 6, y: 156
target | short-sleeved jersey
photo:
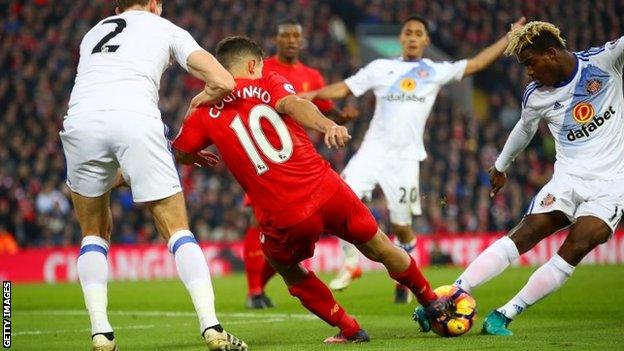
x: 584, y: 114
x: 302, y: 77
x: 405, y: 92
x: 122, y: 60
x: 269, y: 154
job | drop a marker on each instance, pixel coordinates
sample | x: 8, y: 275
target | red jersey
x: 269, y: 154
x: 302, y: 77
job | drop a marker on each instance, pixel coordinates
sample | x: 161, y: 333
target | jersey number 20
x: 255, y: 116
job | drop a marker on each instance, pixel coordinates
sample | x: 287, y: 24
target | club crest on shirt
x: 408, y: 84
x: 548, y: 200
x: 305, y: 86
x: 423, y: 73
x: 593, y: 86
x: 583, y: 112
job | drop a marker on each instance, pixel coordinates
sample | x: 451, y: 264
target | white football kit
x: 393, y: 145
x: 113, y: 119
x: 585, y: 117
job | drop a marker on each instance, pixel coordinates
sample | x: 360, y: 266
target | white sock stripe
x: 559, y: 263
x: 176, y: 236
x: 94, y: 240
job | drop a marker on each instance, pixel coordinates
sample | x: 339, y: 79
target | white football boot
x: 223, y: 341
x: 101, y: 343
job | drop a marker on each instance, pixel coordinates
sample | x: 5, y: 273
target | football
x: 463, y: 314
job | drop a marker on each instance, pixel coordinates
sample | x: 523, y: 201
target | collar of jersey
x: 571, y: 76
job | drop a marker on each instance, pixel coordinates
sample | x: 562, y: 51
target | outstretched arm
x: 309, y: 116
x: 219, y: 82
x: 333, y: 91
x: 488, y: 55
x: 517, y: 141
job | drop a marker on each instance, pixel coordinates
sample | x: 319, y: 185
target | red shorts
x: 343, y: 215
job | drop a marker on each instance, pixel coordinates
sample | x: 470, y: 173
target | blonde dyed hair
x: 528, y: 35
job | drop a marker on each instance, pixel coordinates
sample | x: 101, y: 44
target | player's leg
x: 585, y: 234
x: 285, y: 248
x: 360, y: 176
x: 600, y: 208
x: 147, y: 166
x: 498, y: 256
x: 94, y: 216
x: 400, y: 187
x: 84, y: 140
x: 257, y: 269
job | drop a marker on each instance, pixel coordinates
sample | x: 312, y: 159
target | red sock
x: 254, y: 261
x: 266, y: 274
x: 416, y: 282
x: 316, y: 297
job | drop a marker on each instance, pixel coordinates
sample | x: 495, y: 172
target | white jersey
x: 584, y: 115
x: 405, y: 92
x: 122, y: 60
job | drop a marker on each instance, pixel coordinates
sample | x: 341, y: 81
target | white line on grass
x: 262, y: 316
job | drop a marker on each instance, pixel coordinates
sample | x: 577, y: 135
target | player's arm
x: 219, y: 82
x: 191, y: 141
x: 488, y: 55
x: 517, y: 141
x: 309, y: 116
x: 338, y: 90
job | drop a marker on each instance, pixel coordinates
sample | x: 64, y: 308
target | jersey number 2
x: 255, y: 116
x: 100, y: 46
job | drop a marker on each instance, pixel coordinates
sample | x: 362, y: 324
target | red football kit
x: 272, y: 158
x: 302, y: 77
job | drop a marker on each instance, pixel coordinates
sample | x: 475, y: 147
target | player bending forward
x: 579, y: 95
x: 296, y: 195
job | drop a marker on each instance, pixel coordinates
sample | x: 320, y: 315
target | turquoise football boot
x: 420, y: 316
x: 496, y: 323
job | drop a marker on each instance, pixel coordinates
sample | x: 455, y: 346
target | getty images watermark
x: 6, y: 314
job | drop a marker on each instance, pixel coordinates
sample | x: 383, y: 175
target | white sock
x: 545, y: 280
x: 488, y: 264
x: 194, y: 273
x: 351, y: 254
x: 93, y: 274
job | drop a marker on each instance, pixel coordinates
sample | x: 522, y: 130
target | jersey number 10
x: 255, y: 116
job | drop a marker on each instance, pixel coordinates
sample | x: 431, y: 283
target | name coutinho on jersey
x: 586, y: 129
x: 245, y: 93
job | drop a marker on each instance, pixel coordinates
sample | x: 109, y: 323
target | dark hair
x: 231, y: 49
x: 288, y: 21
x: 124, y: 4
x: 416, y: 18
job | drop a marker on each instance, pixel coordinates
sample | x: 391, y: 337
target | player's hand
x: 497, y: 180
x: 337, y: 136
x: 517, y: 25
x: 119, y: 180
x: 203, y: 158
x: 308, y: 95
x: 349, y: 112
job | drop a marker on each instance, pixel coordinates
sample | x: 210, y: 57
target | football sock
x: 92, y: 269
x: 254, y: 261
x: 413, y: 279
x: 267, y: 272
x: 488, y: 264
x: 316, y: 297
x: 351, y: 254
x: 546, y: 279
x: 194, y: 273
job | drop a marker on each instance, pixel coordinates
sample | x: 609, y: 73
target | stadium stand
x: 39, y: 42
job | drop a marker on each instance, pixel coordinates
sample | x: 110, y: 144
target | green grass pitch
x: 586, y: 314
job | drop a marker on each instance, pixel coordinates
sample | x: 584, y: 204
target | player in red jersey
x: 288, y: 43
x: 296, y: 195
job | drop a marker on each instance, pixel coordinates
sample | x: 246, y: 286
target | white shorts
x: 577, y: 197
x: 397, y: 178
x: 97, y: 144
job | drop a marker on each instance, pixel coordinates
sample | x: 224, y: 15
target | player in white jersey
x: 579, y: 95
x: 405, y: 90
x: 113, y: 123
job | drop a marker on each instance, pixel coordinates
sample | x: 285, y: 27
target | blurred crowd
x: 39, y: 42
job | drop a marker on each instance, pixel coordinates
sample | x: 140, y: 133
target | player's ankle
x: 216, y: 327
x: 348, y: 326
x: 109, y: 335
